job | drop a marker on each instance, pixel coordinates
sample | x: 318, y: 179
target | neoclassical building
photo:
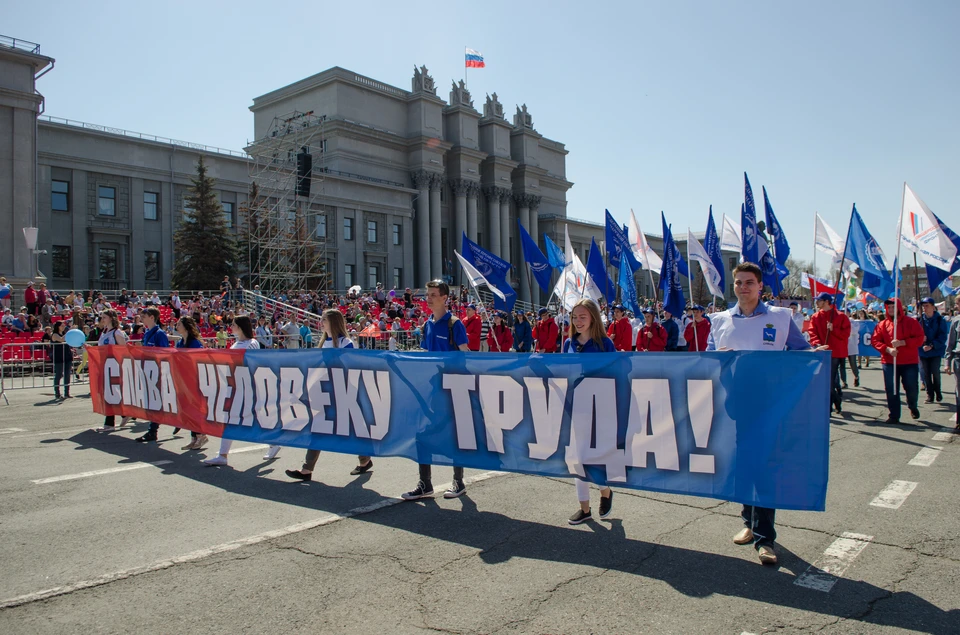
x: 399, y: 175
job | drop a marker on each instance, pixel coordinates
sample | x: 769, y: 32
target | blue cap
x: 649, y: 311
x: 619, y: 307
x: 927, y: 300
x: 472, y: 306
x: 825, y: 296
x: 543, y: 310
x: 698, y: 307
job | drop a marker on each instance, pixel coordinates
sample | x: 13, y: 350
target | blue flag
x: 673, y: 300
x: 628, y: 288
x: 771, y: 271
x: 554, y: 254
x: 748, y: 225
x: 618, y: 244
x: 711, y: 244
x: 682, y: 266
x: 598, y: 271
x: 935, y: 275
x: 491, y: 267
x: 535, y: 258
x: 862, y: 249
x: 780, y: 244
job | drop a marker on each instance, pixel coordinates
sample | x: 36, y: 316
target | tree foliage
x: 204, y: 248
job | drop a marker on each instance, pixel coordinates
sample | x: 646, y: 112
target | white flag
x: 574, y: 283
x: 711, y: 276
x: 476, y: 278
x: 730, y: 236
x: 921, y: 233
x: 828, y: 241
x: 642, y: 250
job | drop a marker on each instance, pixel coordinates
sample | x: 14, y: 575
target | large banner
x: 750, y: 427
x: 865, y: 330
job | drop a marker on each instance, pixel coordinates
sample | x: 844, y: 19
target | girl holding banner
x: 587, y: 336
x: 111, y: 335
x: 334, y: 336
x: 242, y: 329
x: 190, y: 338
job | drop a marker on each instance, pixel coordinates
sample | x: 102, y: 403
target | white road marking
x: 945, y: 436
x: 11, y: 430
x: 894, y: 494
x: 233, y: 545
x: 828, y: 568
x: 925, y: 457
x: 112, y: 470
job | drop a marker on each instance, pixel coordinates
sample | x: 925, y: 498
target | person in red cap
x: 830, y: 330
x: 697, y: 331
x: 652, y: 337
x: 620, y: 330
x: 899, y: 355
x: 474, y: 325
x: 545, y: 333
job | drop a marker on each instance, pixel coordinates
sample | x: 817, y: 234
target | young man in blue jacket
x: 153, y: 337
x: 935, y: 329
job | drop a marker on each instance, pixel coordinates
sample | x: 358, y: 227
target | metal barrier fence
x: 31, y: 365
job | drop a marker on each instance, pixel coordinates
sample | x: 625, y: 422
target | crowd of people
x: 914, y: 349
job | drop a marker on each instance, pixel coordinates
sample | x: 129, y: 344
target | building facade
x: 399, y: 176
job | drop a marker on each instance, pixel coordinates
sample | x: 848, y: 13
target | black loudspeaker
x: 304, y: 170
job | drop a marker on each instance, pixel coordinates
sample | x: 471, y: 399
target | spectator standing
x: 652, y: 337
x: 620, y: 330
x: 474, y: 327
x: 522, y: 333
x: 30, y: 298
x: 545, y: 333
x: 5, y: 301
x: 935, y: 330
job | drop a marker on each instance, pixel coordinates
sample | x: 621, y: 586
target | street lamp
x: 30, y: 236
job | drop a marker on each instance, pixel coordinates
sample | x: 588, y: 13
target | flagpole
x: 815, y: 248
x: 696, y: 344
x: 466, y: 68
x: 844, y: 258
x: 916, y: 280
x: 896, y: 285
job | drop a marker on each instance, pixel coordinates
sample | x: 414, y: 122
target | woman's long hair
x: 243, y: 323
x: 337, y: 324
x: 114, y: 320
x: 190, y: 326
x: 596, y: 325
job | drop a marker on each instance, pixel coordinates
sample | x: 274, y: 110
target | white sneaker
x: 271, y: 453
x: 105, y: 429
x: 216, y: 460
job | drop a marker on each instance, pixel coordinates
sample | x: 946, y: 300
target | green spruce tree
x: 204, y: 249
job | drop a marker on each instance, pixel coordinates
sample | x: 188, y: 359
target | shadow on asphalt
x: 500, y: 538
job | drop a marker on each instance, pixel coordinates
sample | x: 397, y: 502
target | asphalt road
x: 111, y: 540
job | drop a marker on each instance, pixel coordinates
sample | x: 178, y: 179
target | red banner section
x: 150, y: 385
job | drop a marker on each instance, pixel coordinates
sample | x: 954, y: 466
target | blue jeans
x: 909, y: 376
x: 61, y: 371
x: 836, y: 392
x: 760, y: 520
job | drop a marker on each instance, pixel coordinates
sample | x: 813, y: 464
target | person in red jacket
x: 30, y: 298
x: 620, y: 330
x: 900, y: 358
x: 697, y: 341
x: 830, y: 330
x: 474, y: 325
x: 652, y: 337
x: 545, y: 333
x: 500, y: 337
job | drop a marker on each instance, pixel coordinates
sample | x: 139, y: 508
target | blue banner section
x: 748, y: 427
x: 864, y: 330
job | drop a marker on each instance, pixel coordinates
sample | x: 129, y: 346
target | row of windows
x: 107, y: 257
x: 372, y: 230
x: 107, y: 202
x: 373, y: 276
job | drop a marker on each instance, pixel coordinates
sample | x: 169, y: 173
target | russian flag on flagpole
x: 474, y: 59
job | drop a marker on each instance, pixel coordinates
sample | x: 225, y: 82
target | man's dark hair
x: 440, y: 286
x: 749, y: 267
x: 154, y: 313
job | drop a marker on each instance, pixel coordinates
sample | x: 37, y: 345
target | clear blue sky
x: 662, y: 105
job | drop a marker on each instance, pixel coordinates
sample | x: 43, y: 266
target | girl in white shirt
x: 111, y: 335
x: 242, y: 329
x: 334, y: 336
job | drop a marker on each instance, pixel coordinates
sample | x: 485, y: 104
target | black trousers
x: 930, y: 372
x: 836, y: 392
x: 760, y: 520
x: 426, y: 473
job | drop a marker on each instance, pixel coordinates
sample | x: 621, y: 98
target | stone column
x: 535, y: 234
x: 436, y: 255
x: 523, y: 214
x: 473, y: 192
x: 505, y: 225
x: 493, y: 218
x: 460, y: 189
x: 421, y: 244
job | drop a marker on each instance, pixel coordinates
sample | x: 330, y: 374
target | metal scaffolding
x: 285, y: 232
